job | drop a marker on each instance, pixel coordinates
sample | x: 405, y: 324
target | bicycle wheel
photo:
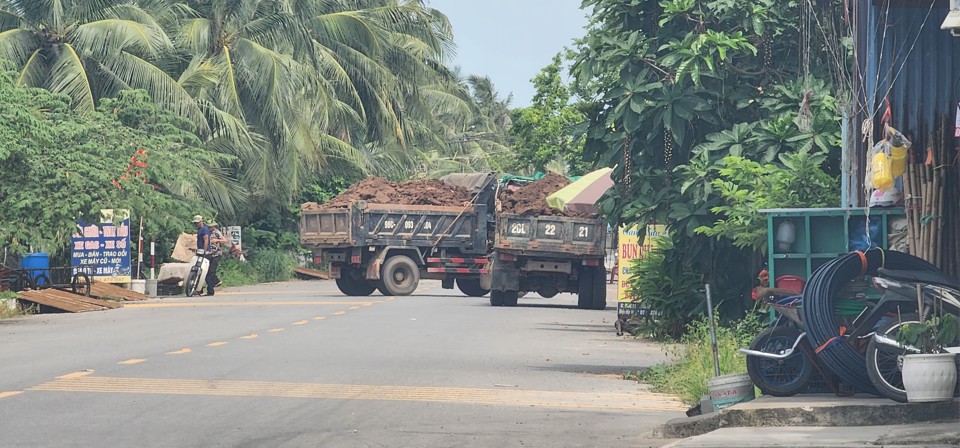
x: 885, y: 362
x: 80, y: 284
x: 779, y: 377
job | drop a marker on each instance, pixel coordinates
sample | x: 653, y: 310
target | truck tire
x: 400, y: 275
x: 585, y: 289
x: 471, y: 287
x: 352, y: 283
x: 599, y: 289
x: 496, y: 298
x: 510, y: 298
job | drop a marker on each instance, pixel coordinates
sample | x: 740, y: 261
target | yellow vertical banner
x: 630, y: 249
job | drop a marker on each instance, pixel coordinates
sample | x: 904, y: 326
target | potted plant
x: 930, y: 373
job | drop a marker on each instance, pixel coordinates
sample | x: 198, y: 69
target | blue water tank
x: 36, y: 264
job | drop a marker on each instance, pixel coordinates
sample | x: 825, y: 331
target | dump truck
x: 547, y: 255
x: 390, y: 247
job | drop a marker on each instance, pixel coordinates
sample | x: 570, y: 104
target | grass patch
x: 273, y: 265
x: 233, y: 272
x: 8, y: 305
x: 686, y: 376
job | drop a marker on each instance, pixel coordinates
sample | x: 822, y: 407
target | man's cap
x: 212, y: 224
x: 197, y: 218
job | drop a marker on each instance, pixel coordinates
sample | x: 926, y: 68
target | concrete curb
x: 812, y: 410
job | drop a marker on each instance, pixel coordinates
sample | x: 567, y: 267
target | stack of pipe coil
x: 820, y: 300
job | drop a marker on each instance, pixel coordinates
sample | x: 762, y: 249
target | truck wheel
x: 496, y: 298
x: 510, y: 298
x: 352, y: 283
x: 585, y: 289
x: 471, y: 287
x: 400, y: 275
x: 599, y: 289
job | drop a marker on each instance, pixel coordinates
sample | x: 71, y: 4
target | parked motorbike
x: 198, y: 272
x: 898, y: 306
x: 780, y: 361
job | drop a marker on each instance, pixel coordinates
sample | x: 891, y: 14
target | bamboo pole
x: 917, y: 208
x: 910, y: 201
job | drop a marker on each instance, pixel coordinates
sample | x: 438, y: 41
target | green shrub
x: 666, y: 283
x: 234, y: 272
x: 686, y: 377
x: 273, y: 265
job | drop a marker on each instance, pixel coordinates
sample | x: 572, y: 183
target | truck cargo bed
x: 368, y: 224
x: 550, y: 236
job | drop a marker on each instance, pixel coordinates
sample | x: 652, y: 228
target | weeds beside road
x: 686, y: 377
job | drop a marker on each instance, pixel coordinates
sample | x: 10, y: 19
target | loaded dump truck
x: 385, y: 236
x: 466, y: 230
x: 545, y: 251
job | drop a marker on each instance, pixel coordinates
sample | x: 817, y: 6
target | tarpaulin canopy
x: 582, y: 194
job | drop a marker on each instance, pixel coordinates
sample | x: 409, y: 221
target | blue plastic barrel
x: 36, y: 264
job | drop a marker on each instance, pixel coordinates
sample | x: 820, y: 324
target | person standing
x: 217, y: 240
x: 204, y: 244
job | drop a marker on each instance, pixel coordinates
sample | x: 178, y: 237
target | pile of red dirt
x: 378, y: 190
x: 531, y: 199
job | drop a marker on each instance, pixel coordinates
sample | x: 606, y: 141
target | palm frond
x: 105, y: 38
x: 166, y: 92
x: 68, y: 76
x: 34, y: 71
x: 17, y: 45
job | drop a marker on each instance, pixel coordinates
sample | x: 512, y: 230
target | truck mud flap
x: 504, y: 276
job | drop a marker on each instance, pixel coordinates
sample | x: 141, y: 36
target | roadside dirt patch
x: 531, y: 199
x: 412, y: 192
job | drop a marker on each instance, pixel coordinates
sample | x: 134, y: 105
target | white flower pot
x: 929, y: 378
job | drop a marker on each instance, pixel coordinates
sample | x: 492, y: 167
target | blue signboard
x: 104, y: 249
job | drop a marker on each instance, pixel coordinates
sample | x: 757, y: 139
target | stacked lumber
x: 69, y: 302
x: 311, y: 273
x: 108, y: 291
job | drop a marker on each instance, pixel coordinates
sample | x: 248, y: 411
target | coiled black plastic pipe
x: 820, y: 300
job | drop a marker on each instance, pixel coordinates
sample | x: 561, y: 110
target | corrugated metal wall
x: 905, y: 58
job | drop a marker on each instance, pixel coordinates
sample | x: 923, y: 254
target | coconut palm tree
x: 90, y: 49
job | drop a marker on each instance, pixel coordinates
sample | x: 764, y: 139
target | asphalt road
x: 299, y: 365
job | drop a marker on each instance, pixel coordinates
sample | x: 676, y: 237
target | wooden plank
x: 66, y: 301
x: 312, y: 273
x: 110, y: 291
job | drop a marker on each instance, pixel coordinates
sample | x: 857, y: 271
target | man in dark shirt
x: 203, y: 243
x: 203, y: 233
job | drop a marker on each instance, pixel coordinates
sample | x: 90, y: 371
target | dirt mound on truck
x: 531, y: 199
x: 378, y: 190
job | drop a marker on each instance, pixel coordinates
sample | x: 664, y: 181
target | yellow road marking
x: 131, y: 361
x: 180, y: 352
x: 499, y: 397
x: 217, y: 344
x: 260, y: 293
x: 75, y: 375
x: 339, y: 313
x: 250, y: 336
x: 275, y: 330
x: 320, y: 318
x: 366, y: 304
x: 391, y: 298
x: 301, y: 322
x: 225, y: 304
x: 10, y: 394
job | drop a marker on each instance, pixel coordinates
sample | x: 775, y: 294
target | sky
x: 511, y: 40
